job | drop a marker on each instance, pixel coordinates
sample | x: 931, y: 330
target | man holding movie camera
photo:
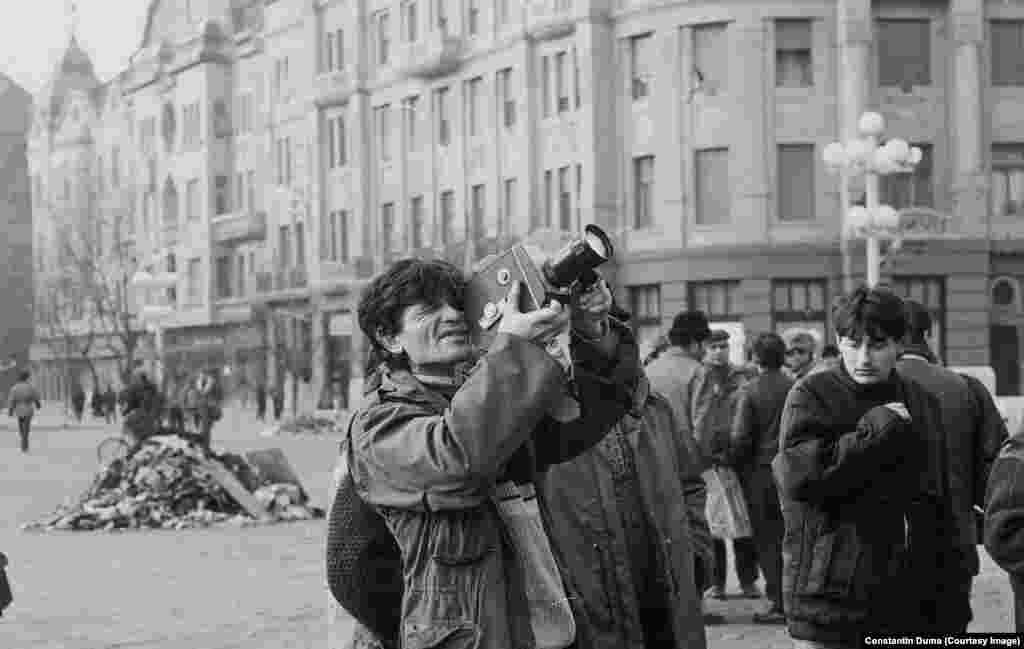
x: 449, y: 458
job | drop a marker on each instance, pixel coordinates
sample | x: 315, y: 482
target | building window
x: 795, y: 173
x: 441, y: 15
x: 383, y: 23
x: 800, y: 304
x: 1008, y: 52
x: 506, y: 97
x: 383, y: 119
x: 195, y: 281
x: 343, y: 230
x: 904, y: 53
x: 793, y: 60
x: 240, y: 275
x: 239, y: 190
x: 250, y: 187
x: 508, y: 208
x: 410, y: 107
x: 170, y: 203
x: 503, y: 12
x: 472, y: 17
x: 721, y: 301
x: 284, y: 247
x: 579, y: 195
x: 391, y: 231
x: 341, y: 141
x: 281, y: 87
x: 711, y: 56
x: 410, y: 22
x: 712, y: 186
x: 645, y: 307
x: 564, y: 200
x: 643, y: 191
x: 329, y: 236
x: 1008, y: 179
x: 115, y: 168
x: 418, y: 224
x: 549, y: 197
x: 450, y: 230
x: 576, y: 76
x: 443, y: 117
x: 481, y: 226
x: 640, y: 60
x: 930, y: 291
x: 222, y: 272
x: 222, y: 195
x: 300, y: 244
x: 283, y: 160
x: 562, y: 81
x: 910, y: 189
x: 545, y: 86
x: 192, y: 199
x: 474, y: 94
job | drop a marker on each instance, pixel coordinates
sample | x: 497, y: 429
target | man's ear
x: 390, y: 343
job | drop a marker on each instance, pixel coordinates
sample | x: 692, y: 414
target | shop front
x: 237, y: 352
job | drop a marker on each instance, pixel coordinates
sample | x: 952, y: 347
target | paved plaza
x: 252, y: 588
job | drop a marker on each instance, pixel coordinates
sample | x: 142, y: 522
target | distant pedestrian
x: 110, y: 404
x: 261, y: 401
x: 22, y: 403
x: 77, y: 401
x: 278, y: 396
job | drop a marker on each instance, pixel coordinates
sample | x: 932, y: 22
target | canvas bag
x: 726, y: 507
x: 550, y: 612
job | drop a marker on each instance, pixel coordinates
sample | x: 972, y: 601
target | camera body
x: 571, y: 267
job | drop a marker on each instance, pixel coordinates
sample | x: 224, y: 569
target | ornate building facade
x: 275, y: 153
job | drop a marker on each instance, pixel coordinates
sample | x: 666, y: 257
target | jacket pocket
x: 440, y: 636
x: 834, y: 558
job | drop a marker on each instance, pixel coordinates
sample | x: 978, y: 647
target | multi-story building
x: 322, y: 139
x: 16, y: 223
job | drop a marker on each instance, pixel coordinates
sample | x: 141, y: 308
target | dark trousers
x: 766, y: 517
x: 746, y: 561
x: 24, y: 427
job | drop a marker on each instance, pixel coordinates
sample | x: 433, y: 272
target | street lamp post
x: 866, y: 157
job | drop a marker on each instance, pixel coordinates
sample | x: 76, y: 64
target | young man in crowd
x: 671, y: 370
x: 964, y: 436
x: 713, y: 395
x: 851, y: 456
x: 754, y: 444
x: 800, y: 354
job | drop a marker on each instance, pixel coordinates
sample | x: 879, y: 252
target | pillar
x: 970, y: 204
x: 747, y: 165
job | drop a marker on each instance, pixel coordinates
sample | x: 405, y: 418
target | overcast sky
x: 34, y: 33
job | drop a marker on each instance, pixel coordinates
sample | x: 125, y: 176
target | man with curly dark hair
x: 450, y: 445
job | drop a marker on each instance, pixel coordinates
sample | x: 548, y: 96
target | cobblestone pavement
x: 252, y: 588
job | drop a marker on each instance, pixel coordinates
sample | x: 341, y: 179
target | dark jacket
x: 428, y: 463
x: 755, y: 429
x: 664, y: 507
x: 963, y: 442
x: 1004, y: 518
x: 847, y: 470
x: 713, y: 395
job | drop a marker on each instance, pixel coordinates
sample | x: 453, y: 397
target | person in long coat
x: 22, y: 403
x: 629, y: 514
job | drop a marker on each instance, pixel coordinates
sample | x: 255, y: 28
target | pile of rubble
x: 318, y: 425
x: 172, y: 484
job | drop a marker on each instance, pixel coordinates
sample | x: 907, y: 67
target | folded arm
x: 814, y: 466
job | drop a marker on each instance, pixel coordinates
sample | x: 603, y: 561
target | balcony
x: 239, y: 227
x: 435, y: 54
x: 549, y: 19
x: 334, y: 87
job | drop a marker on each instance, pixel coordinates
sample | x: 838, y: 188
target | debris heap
x: 172, y: 484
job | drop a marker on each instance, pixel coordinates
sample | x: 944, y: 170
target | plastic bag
x: 726, y: 507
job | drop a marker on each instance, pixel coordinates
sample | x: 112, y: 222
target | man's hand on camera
x: 590, y: 309
x: 540, y: 326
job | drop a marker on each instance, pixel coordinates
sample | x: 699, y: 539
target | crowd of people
x: 498, y: 521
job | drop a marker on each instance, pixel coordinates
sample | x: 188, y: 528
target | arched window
x: 170, y: 203
x: 1005, y: 293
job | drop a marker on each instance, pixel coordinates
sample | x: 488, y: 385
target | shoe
x: 750, y: 591
x: 771, y: 615
x: 716, y: 592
